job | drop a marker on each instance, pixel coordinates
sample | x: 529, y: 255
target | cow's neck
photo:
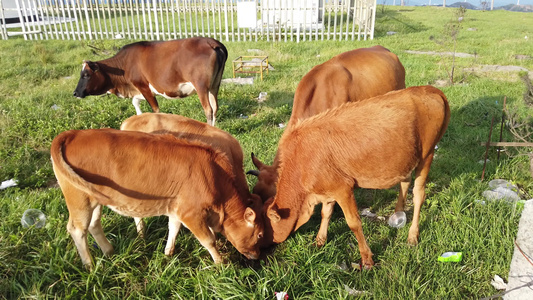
x: 234, y: 207
x: 290, y: 202
x: 113, y: 68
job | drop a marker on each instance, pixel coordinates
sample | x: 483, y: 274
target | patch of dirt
x: 457, y: 54
x: 496, y: 68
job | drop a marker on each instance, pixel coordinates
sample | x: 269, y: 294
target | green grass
x: 44, y: 263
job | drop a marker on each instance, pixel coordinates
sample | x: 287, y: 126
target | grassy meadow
x: 37, y: 79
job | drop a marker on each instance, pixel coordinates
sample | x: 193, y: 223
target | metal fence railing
x: 226, y: 20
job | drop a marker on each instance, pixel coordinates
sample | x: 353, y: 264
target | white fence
x: 225, y: 20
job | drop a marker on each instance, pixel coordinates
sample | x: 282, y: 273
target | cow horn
x: 253, y: 172
x: 257, y: 163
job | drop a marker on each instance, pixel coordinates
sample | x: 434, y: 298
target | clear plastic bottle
x: 33, y: 217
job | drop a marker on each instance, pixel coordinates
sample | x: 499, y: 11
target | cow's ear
x: 92, y: 65
x: 272, y: 214
x: 249, y: 216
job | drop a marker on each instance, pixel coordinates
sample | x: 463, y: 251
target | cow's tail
x: 221, y: 57
x: 446, y: 119
x: 63, y: 169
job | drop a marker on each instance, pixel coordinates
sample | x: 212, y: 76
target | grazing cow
x: 173, y: 69
x: 375, y: 143
x: 139, y: 174
x: 189, y: 129
x: 348, y: 77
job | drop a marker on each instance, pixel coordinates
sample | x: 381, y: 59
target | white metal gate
x: 226, y: 20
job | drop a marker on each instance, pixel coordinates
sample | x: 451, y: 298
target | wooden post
x: 487, y: 149
x: 501, y: 126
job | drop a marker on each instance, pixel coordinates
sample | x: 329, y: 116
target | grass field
x: 36, y: 103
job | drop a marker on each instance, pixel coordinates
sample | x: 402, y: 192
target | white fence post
x: 274, y: 20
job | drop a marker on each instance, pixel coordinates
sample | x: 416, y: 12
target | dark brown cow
x: 139, y: 174
x: 173, y: 69
x: 189, y: 129
x: 375, y: 143
x: 348, y: 77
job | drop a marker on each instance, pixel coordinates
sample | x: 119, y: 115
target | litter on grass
x: 281, y: 295
x: 262, y: 97
x: 239, y: 80
x: 367, y: 213
x: 353, y: 292
x: 502, y: 190
x: 33, y: 217
x: 498, y: 283
x: 397, y: 220
x: 451, y: 257
x: 8, y: 183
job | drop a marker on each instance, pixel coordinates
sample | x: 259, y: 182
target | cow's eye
x: 260, y: 235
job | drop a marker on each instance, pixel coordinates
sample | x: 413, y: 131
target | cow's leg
x: 149, y: 96
x: 419, y: 194
x: 213, y: 102
x: 205, y: 100
x: 402, y: 195
x: 174, y: 225
x: 80, y: 215
x: 139, y: 224
x: 136, y: 101
x: 348, y: 205
x: 327, y: 211
x: 95, y: 228
x: 205, y: 236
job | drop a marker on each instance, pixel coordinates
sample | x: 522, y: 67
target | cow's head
x: 247, y: 233
x: 92, y: 81
x: 267, y: 177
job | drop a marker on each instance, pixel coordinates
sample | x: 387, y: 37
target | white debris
x: 501, y: 193
x: 262, y: 97
x: 8, y: 183
x: 353, y: 292
x: 281, y: 295
x: 239, y: 80
x: 367, y: 213
x: 498, y: 283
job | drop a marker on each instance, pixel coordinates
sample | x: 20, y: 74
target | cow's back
x: 190, y: 129
x: 189, y: 56
x: 371, y: 136
x: 183, y: 127
x: 348, y: 77
x: 129, y: 166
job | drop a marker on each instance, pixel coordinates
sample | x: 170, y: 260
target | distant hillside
x: 509, y: 7
x: 520, y: 8
x: 463, y: 4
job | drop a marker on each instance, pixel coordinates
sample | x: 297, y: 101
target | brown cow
x: 375, y: 143
x: 189, y: 129
x: 348, y: 77
x: 173, y: 69
x: 139, y: 174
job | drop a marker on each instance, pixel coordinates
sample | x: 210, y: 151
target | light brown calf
x: 189, y: 129
x: 138, y: 174
x: 375, y: 143
x: 348, y: 77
